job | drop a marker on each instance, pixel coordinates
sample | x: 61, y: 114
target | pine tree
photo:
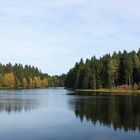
x: 1, y: 80
x: 107, y: 71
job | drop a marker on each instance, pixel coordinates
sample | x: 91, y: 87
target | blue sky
x: 54, y: 34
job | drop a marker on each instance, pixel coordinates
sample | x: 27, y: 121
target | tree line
x: 118, y: 69
x: 19, y: 76
x: 56, y: 81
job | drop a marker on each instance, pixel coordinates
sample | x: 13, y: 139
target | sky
x: 54, y: 34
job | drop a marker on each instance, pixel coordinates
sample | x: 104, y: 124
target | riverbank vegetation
x: 120, y: 71
x: 56, y: 81
x: 19, y: 76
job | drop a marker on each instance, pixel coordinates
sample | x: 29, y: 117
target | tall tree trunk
x: 129, y: 80
x: 113, y: 81
x: 94, y: 80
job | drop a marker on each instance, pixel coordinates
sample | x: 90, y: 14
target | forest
x: 120, y: 70
x: 18, y: 76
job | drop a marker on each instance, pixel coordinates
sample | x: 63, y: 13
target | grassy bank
x: 109, y: 90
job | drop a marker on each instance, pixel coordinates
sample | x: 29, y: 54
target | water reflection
x: 15, y: 104
x: 120, y: 112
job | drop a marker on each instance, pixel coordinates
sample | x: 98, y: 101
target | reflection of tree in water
x: 17, y: 105
x: 120, y: 112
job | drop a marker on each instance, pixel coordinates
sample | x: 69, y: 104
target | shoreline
x: 109, y: 91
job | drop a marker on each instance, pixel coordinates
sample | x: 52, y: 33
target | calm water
x: 58, y: 114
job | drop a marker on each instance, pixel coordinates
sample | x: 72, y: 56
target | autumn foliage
x: 8, y: 80
x: 18, y: 76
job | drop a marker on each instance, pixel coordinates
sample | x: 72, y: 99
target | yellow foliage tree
x: 31, y: 83
x: 45, y: 82
x: 25, y: 83
x: 9, y: 80
x: 37, y: 81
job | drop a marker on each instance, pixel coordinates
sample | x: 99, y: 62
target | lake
x: 59, y: 114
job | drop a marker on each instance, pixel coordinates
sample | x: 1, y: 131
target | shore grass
x: 109, y: 90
